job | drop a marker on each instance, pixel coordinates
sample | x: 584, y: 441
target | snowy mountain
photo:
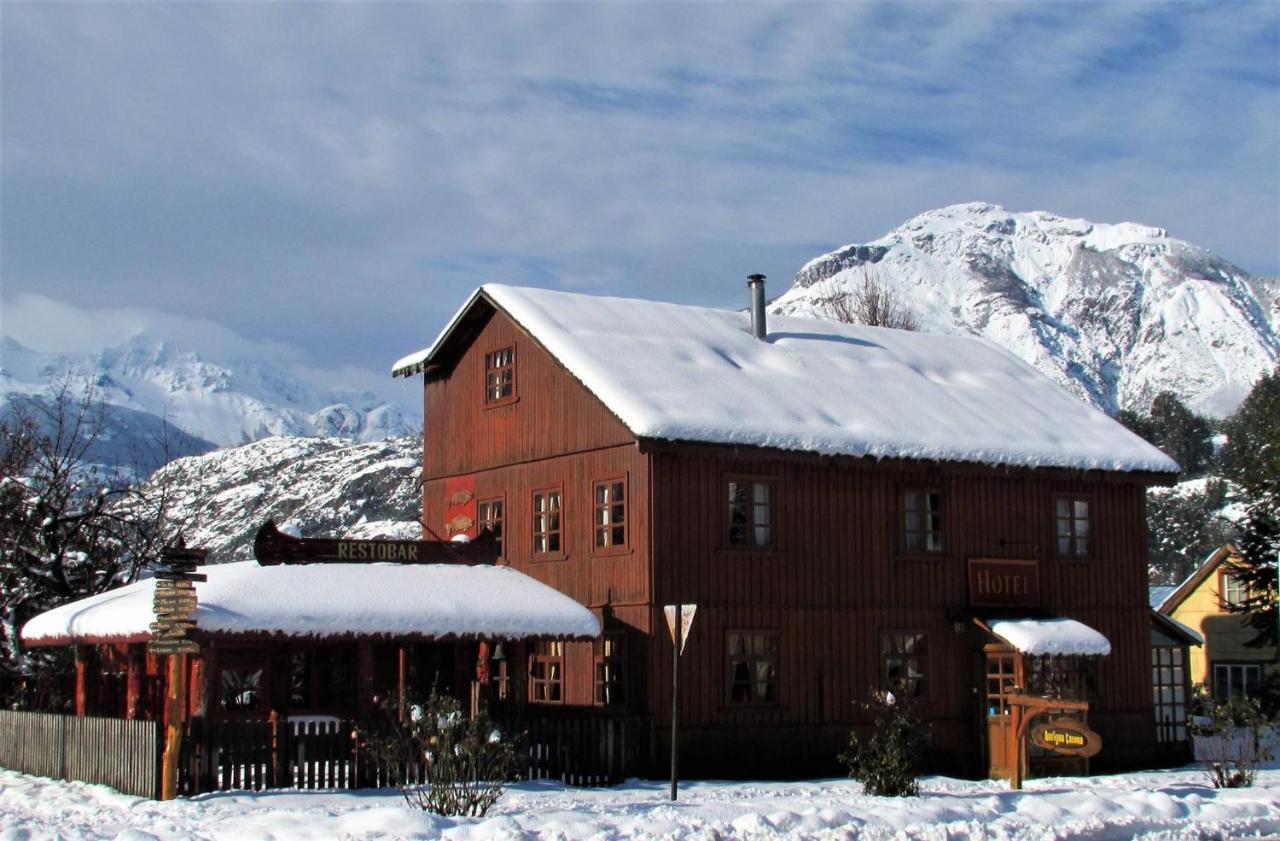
x: 212, y: 404
x: 328, y: 487
x: 1114, y: 313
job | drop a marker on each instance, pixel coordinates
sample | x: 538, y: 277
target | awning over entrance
x: 1040, y: 637
x: 426, y: 600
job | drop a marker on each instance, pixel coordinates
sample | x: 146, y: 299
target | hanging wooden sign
x: 272, y: 547
x: 1068, y: 736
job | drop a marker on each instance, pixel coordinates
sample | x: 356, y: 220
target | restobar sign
x: 1003, y: 583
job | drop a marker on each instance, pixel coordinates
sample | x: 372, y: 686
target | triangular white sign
x: 686, y: 622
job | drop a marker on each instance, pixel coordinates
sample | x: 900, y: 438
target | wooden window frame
x: 1168, y: 672
x: 558, y: 553
x: 918, y: 525
x: 501, y: 535
x: 596, y: 509
x: 771, y: 482
x: 1224, y: 590
x: 601, y: 658
x: 1233, y: 690
x: 1074, y: 537
x: 235, y: 659
x: 316, y: 669
x: 514, y: 395
x: 554, y: 656
x: 752, y: 659
x: 922, y: 684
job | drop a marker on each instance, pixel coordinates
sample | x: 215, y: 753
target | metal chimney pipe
x: 755, y: 283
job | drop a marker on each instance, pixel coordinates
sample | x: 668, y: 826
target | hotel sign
x: 1003, y: 583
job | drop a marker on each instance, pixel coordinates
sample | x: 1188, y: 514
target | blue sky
x: 337, y: 177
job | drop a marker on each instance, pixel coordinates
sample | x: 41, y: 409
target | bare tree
x: 68, y: 528
x: 870, y: 301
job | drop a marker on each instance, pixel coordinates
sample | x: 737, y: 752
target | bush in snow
x: 463, y: 763
x: 1228, y: 734
x: 887, y: 764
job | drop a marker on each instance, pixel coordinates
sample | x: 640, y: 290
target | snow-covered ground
x: 1151, y: 805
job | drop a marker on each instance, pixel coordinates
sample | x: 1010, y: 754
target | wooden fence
x: 122, y: 754
x: 323, y: 754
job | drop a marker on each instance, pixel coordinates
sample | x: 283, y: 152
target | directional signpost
x: 174, y: 606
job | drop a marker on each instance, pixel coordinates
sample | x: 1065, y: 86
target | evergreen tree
x: 1252, y: 459
x: 1182, y: 434
x: 1185, y: 527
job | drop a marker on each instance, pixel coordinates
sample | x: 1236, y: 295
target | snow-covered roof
x: 1157, y: 593
x: 1039, y: 637
x: 685, y: 373
x: 431, y: 600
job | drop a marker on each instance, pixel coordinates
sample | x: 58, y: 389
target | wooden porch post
x: 174, y: 713
x: 137, y: 667
x: 402, y: 678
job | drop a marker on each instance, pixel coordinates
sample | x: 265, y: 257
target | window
x: 322, y: 678
x: 750, y: 514
x: 923, y: 521
x: 1234, y: 590
x: 546, y: 672
x: 241, y: 682
x: 904, y: 657
x: 546, y: 522
x: 489, y: 516
x: 1236, y: 679
x: 753, y: 667
x: 1169, y: 691
x: 1068, y: 677
x: 611, y: 514
x: 611, y: 670
x: 1002, y: 680
x: 500, y: 375
x: 1071, y: 529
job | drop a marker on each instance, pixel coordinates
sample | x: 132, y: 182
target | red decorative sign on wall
x: 1003, y: 583
x: 460, y: 506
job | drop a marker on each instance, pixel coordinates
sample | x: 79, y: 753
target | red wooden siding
x: 838, y: 577
x: 551, y: 415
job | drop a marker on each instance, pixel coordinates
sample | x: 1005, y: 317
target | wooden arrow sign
x: 176, y: 646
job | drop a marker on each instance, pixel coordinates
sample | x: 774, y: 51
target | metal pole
x: 675, y: 696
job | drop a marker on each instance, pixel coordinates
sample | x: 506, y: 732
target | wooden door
x: 1003, y: 667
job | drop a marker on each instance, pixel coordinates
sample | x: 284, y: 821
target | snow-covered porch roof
x: 326, y: 600
x: 1040, y: 637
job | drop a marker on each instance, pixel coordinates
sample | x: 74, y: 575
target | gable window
x: 922, y: 510
x: 611, y: 670
x: 546, y: 522
x: 611, y: 514
x: 489, y: 515
x: 500, y: 375
x: 1071, y: 527
x: 904, y: 658
x: 753, y: 667
x: 546, y: 672
x: 750, y: 514
x: 1234, y: 590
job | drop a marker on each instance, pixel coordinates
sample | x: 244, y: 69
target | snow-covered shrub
x: 1228, y: 738
x: 463, y: 763
x: 887, y: 763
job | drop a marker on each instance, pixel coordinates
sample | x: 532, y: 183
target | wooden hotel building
x: 850, y: 508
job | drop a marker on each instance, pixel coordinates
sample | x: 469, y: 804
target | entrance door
x: 1003, y: 667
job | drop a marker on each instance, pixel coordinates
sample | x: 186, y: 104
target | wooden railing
x: 112, y: 751
x: 259, y: 754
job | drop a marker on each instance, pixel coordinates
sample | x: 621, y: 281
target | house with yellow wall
x: 1225, y: 663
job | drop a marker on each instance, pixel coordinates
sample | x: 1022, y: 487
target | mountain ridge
x: 1115, y: 313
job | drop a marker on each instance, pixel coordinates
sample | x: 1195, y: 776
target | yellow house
x: 1224, y: 663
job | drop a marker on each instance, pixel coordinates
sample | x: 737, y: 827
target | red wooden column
x: 87, y: 677
x: 137, y: 668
